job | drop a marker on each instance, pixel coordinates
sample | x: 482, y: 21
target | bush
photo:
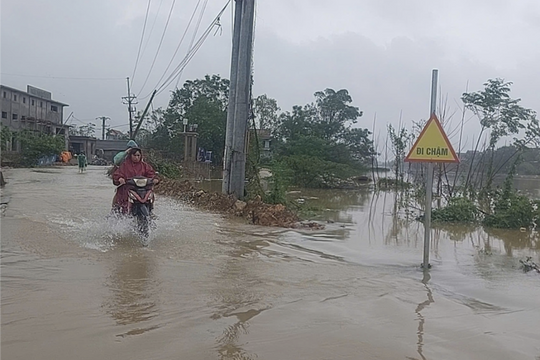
x: 167, y: 169
x: 458, y: 210
x: 164, y: 167
x: 277, y: 192
x: 512, y: 212
x: 390, y: 183
x: 36, y: 145
x: 313, y: 172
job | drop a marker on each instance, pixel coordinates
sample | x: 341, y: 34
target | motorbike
x: 141, y: 202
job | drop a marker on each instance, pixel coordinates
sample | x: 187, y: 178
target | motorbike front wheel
x: 143, y: 226
x: 142, y: 215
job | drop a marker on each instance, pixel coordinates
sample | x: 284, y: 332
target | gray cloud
x: 382, y: 52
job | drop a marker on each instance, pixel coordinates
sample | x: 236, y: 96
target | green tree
x: 399, y: 142
x: 500, y: 115
x: 317, y: 143
x: 334, y: 114
x: 36, y: 145
x: 6, y: 136
x: 202, y: 102
x: 266, y: 111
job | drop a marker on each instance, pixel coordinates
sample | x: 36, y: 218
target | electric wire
x: 141, y: 42
x: 177, y: 47
x: 192, y: 51
x: 79, y: 120
x: 183, y: 63
x: 159, y: 46
x: 193, y: 38
x: 62, y: 77
x: 152, y: 28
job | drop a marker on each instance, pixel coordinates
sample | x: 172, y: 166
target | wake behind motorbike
x: 141, y: 202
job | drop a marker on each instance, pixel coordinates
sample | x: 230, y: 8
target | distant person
x: 65, y: 156
x: 83, y: 162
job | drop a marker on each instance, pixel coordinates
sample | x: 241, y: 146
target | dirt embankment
x: 254, y: 211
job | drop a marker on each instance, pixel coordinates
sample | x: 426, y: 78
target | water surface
x: 78, y: 285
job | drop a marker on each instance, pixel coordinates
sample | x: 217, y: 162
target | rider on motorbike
x: 132, y: 166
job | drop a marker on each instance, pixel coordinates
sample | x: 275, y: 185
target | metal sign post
x: 429, y: 181
x: 432, y: 145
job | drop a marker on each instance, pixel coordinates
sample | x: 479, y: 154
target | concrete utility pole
x: 234, y: 165
x: 130, y: 100
x: 103, y: 119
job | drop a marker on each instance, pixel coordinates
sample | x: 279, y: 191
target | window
x: 14, y: 116
x: 23, y: 117
x: 14, y: 97
x: 5, y: 94
x: 54, y: 108
x: 41, y: 104
x: 24, y: 100
x: 4, y: 115
x: 33, y: 102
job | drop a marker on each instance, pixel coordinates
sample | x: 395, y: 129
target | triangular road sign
x: 432, y: 145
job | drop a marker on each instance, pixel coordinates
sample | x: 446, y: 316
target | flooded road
x: 77, y: 285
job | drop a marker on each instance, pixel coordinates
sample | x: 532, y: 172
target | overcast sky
x: 382, y: 52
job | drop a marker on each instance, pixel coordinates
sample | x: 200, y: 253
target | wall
x: 27, y: 106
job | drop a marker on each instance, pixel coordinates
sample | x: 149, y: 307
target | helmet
x: 132, y: 144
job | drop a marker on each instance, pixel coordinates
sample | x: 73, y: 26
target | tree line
x: 315, y: 144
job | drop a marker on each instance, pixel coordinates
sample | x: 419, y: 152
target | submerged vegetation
x: 468, y: 191
x: 459, y: 209
x: 318, y: 145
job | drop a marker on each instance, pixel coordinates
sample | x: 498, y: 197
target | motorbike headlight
x: 140, y: 182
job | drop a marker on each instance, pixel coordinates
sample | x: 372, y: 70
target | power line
x: 193, y: 38
x: 140, y: 43
x: 159, y: 46
x: 79, y: 120
x: 152, y: 28
x: 193, y: 50
x: 61, y: 77
x: 118, y: 126
x: 177, y: 47
x: 191, y: 53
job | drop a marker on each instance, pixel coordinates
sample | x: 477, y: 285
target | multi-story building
x: 33, y: 109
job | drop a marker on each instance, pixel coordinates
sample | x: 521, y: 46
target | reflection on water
x: 418, y: 311
x: 382, y: 213
x: 238, y: 296
x: 514, y: 239
x: 132, y: 284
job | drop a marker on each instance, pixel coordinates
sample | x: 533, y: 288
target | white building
x: 32, y: 109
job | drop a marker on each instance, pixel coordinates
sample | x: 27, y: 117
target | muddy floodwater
x: 78, y: 285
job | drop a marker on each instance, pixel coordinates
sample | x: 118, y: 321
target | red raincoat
x: 127, y: 170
